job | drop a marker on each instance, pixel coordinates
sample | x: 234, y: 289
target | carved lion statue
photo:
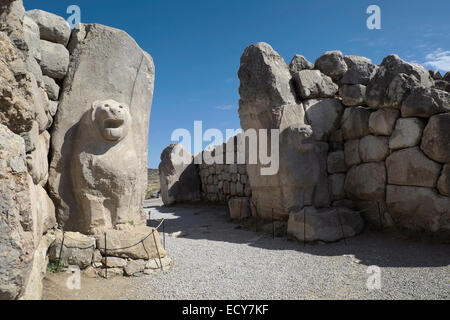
x: 104, y: 169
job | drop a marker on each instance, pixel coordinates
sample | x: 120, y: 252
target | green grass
x: 153, y: 182
x: 53, y: 267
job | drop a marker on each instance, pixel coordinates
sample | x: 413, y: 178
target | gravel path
x: 216, y: 259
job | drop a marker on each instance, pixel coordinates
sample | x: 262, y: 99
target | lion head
x: 111, y: 119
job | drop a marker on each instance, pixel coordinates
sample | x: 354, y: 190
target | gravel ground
x: 216, y: 259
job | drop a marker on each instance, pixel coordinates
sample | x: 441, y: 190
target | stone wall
x: 28, y: 66
x: 220, y: 182
x: 372, y: 138
x: 47, y: 90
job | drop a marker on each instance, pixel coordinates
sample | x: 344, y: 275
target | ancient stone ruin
x: 82, y: 99
x: 358, y: 143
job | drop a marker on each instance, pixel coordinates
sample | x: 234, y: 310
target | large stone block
x: 360, y: 70
x: 392, y: 65
x: 336, y: 162
x: 425, y: 102
x: 407, y: 133
x: 410, y: 167
x: 373, y: 148
x: 351, y: 153
x: 332, y: 64
x: 355, y: 123
x: 54, y: 59
x: 52, y: 27
x: 77, y: 249
x: 239, y: 208
x: 314, y: 84
x: 366, y: 181
x: 382, y: 122
x: 336, y: 184
x: 418, y: 208
x: 353, y: 95
x: 324, y: 116
x: 178, y: 176
x: 444, y: 181
x: 436, y: 138
x: 299, y: 63
x: 98, y: 173
x: 329, y: 224
x: 16, y: 219
x: 139, y: 243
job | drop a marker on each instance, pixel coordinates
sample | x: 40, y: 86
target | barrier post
x: 106, y: 260
x: 60, y: 251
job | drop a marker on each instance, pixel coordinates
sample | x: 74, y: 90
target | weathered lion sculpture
x: 105, y: 168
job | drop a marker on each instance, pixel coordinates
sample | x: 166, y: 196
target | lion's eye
x: 121, y: 107
x: 107, y: 106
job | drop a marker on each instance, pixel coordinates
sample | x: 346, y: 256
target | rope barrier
x: 105, y: 249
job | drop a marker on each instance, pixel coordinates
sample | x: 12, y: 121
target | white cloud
x: 438, y: 59
x: 225, y: 107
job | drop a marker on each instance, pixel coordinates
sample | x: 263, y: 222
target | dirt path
x: 216, y: 259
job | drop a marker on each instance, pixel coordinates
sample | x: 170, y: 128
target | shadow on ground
x: 384, y: 249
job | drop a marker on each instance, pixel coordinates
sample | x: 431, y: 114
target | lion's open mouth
x: 112, y: 123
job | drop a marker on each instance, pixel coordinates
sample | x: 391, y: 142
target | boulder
x: 336, y: 162
x: 314, y: 84
x: 299, y: 63
x: 366, y: 181
x: 373, y: 148
x: 99, y: 147
x: 137, y: 243
x: 382, y: 122
x: 52, y: 27
x: 375, y: 213
x: 392, y: 65
x: 37, y: 160
x: 329, y: 224
x: 443, y: 184
x: 77, y: 249
x: 410, y: 167
x: 158, y: 264
x: 355, y: 123
x: 332, y: 64
x: 178, y: 176
x: 353, y: 95
x: 268, y: 101
x: 17, y: 109
x: 442, y: 85
x: 17, y: 241
x: 425, y: 102
x: 418, y: 208
x: 436, y: 138
x: 32, y: 37
x: 239, y: 208
x: 351, y: 153
x: 114, y: 262
x: 336, y: 184
x: 134, y: 266
x: 51, y: 88
x: 305, y: 185
x: 399, y: 88
x: 407, y: 133
x: 324, y: 116
x: 360, y: 70
x: 54, y: 59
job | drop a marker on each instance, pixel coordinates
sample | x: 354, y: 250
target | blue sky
x: 196, y: 45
